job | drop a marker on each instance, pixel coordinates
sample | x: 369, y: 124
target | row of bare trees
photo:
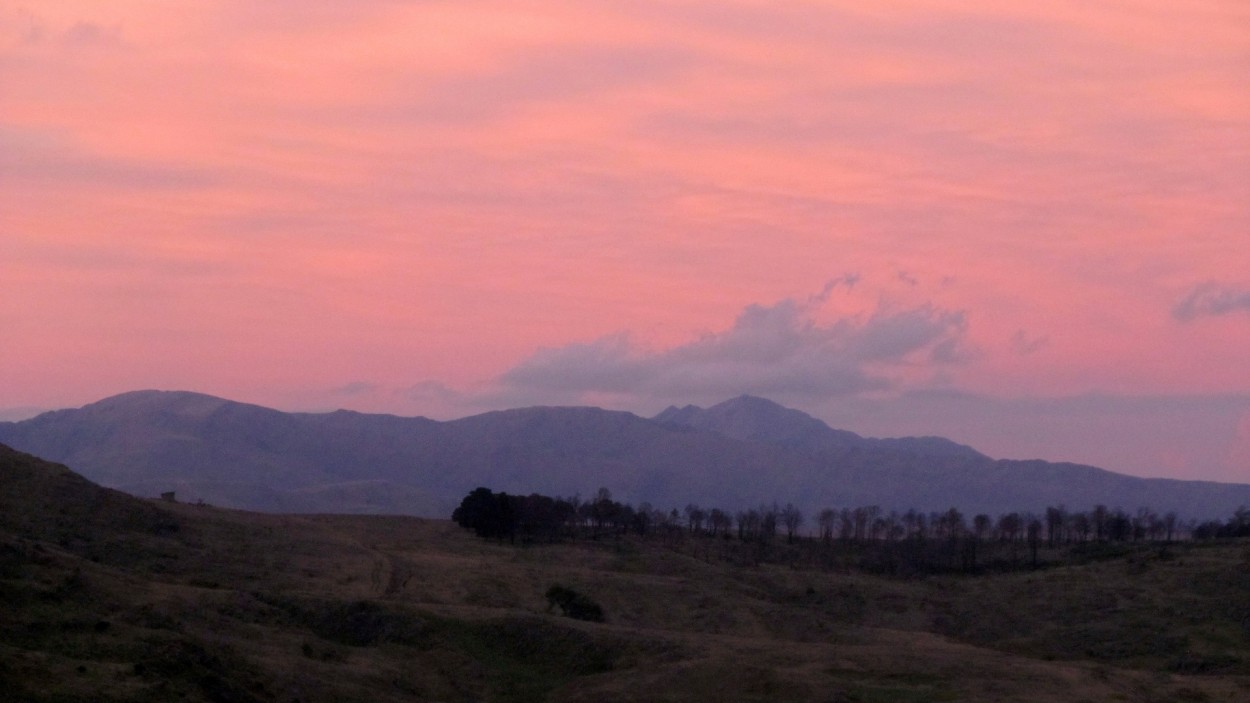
x: 1056, y: 525
x: 891, y: 541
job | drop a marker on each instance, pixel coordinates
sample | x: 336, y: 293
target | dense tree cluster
x: 542, y: 518
x: 865, y: 537
x: 1236, y: 526
x: 503, y: 516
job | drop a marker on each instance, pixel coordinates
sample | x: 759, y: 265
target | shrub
x: 573, y: 604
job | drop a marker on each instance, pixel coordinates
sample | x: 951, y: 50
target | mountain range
x: 733, y: 455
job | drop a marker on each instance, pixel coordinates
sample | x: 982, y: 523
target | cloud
x: 355, y: 388
x: 44, y: 156
x: 90, y: 33
x: 1024, y: 345
x: 775, y: 350
x: 432, y: 392
x: 538, y: 76
x: 848, y: 280
x: 1211, y: 299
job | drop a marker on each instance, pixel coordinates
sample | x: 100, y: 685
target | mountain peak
x: 678, y: 416
x: 153, y: 396
x: 181, y: 403
x: 753, y: 402
x: 751, y: 418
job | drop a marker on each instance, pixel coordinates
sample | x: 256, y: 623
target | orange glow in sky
x: 1040, y: 213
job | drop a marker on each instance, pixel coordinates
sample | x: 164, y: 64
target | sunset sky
x: 1023, y: 226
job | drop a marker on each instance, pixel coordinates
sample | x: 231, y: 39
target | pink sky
x: 1026, y: 228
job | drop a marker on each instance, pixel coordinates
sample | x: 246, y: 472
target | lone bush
x: 573, y: 604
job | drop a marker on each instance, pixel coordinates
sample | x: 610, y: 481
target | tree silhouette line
x: 864, y: 537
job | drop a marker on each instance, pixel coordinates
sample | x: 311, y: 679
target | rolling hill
x: 111, y: 598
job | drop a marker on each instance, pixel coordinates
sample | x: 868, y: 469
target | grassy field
x: 109, y: 598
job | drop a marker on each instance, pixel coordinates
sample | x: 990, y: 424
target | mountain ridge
x: 735, y: 454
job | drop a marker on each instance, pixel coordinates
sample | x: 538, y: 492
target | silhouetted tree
x: 827, y: 519
x: 1099, y: 519
x: 792, y: 518
x: 1080, y: 525
x: 1169, y: 524
x: 719, y: 521
x: 952, y: 522
x: 1056, y: 516
x: 499, y: 515
x: 743, y: 519
x: 981, y: 525
x: 846, y: 525
x: 487, y: 514
x: 694, y: 517
x: 768, y: 522
x: 1009, y: 527
x: 644, y: 518
x: 1035, y: 539
x: 1119, y: 526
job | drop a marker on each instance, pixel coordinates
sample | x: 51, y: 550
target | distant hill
x: 736, y: 454
x: 760, y: 420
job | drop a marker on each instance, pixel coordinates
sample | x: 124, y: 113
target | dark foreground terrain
x: 104, y: 597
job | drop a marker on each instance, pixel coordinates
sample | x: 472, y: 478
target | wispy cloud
x: 1212, y: 300
x: 1023, y: 344
x: 354, y: 388
x: 39, y: 157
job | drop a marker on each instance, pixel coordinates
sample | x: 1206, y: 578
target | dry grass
x: 155, y: 602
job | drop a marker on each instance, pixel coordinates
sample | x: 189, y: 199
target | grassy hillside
x: 107, y: 597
